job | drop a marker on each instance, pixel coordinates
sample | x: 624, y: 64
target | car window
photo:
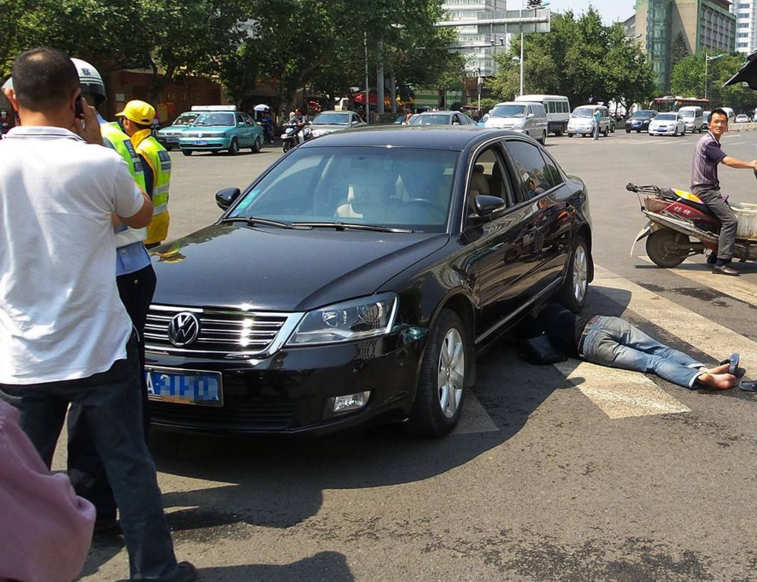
x: 247, y: 119
x: 395, y: 187
x: 240, y: 119
x: 488, y: 178
x: 534, y: 175
x: 552, y: 174
x: 215, y: 119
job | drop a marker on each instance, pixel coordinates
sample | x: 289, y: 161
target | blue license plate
x: 200, y: 142
x: 184, y: 387
x: 172, y: 140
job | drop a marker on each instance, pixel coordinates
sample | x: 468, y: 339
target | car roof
x: 437, y: 112
x: 423, y: 137
x: 334, y: 111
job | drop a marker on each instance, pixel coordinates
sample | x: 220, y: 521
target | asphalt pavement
x: 555, y: 473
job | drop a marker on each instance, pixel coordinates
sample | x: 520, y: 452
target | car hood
x: 282, y: 270
x: 176, y: 128
x: 502, y: 121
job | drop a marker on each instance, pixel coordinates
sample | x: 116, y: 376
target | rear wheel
x: 570, y: 135
x: 543, y: 140
x: 663, y: 248
x: 576, y: 285
x: 629, y: 131
x: 441, y: 382
x: 607, y: 131
x: 186, y: 152
x: 558, y: 133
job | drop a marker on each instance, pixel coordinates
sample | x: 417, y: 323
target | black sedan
x: 357, y: 279
x: 639, y: 121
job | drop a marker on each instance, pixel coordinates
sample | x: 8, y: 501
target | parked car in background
x: 441, y: 118
x: 169, y: 136
x: 582, y: 120
x: 667, y: 124
x: 557, y: 108
x: 639, y: 121
x: 730, y: 112
x: 693, y: 118
x: 706, y: 120
x: 331, y: 121
x: 742, y: 118
x: 357, y: 279
x: 221, y: 127
x: 391, y: 119
x: 527, y: 118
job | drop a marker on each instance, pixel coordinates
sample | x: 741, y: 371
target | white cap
x: 90, y: 80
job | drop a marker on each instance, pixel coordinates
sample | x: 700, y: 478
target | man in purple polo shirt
x: 705, y: 184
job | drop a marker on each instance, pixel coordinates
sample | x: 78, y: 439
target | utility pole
x: 367, y: 80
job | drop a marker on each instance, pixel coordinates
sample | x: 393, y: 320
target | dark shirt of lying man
x: 613, y: 342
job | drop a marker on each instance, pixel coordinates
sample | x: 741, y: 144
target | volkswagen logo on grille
x: 183, y: 329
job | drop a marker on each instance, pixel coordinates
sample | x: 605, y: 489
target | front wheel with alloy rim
x: 576, y: 284
x: 441, y: 382
x: 667, y: 248
x: 234, y: 147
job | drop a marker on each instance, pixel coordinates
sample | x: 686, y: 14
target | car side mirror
x: 529, y: 116
x: 488, y: 205
x: 226, y: 197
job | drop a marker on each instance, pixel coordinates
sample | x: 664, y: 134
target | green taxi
x: 221, y: 127
x: 169, y: 136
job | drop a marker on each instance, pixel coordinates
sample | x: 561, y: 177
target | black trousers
x: 85, y: 468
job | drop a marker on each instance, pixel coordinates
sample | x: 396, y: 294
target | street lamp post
x: 478, y: 87
x: 706, y: 63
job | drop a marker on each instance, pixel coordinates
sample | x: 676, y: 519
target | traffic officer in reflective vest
x: 137, y: 118
x: 136, y: 285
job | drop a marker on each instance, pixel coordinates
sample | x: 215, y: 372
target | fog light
x: 349, y: 402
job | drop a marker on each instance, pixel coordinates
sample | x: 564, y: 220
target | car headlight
x: 349, y: 321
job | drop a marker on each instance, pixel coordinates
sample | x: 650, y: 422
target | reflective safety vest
x: 160, y: 163
x: 115, y: 138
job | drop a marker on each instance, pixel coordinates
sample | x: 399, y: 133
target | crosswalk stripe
x: 473, y: 418
x: 707, y: 336
x: 731, y: 286
x: 620, y: 393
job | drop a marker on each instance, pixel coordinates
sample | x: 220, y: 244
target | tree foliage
x: 679, y: 50
x: 581, y: 58
x: 295, y: 43
x: 688, y: 79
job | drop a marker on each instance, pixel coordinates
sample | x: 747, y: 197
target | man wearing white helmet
x: 136, y: 284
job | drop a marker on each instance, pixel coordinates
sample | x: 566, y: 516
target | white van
x: 557, y: 108
x: 581, y: 121
x: 528, y: 118
x: 730, y: 113
x: 693, y: 118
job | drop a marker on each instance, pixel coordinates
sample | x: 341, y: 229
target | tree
x: 679, y: 50
x: 580, y: 58
x: 688, y: 79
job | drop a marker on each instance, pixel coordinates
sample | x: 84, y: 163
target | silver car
x: 331, y: 121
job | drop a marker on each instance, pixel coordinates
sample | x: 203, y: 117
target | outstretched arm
x: 739, y: 164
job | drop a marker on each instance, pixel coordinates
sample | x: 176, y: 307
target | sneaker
x: 187, y: 572
x: 725, y: 270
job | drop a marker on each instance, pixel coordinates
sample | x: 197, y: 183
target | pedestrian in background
x: 6, y: 121
x: 70, y: 339
x: 597, y: 119
x: 135, y: 279
x: 137, y: 118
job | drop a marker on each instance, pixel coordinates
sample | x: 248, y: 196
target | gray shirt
x: 704, y: 167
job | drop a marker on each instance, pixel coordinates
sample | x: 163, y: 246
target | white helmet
x: 90, y: 80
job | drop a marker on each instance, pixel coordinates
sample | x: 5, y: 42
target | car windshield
x: 332, y: 119
x: 687, y: 113
x: 390, y: 187
x: 666, y: 117
x: 509, y: 111
x: 430, y: 120
x: 215, y: 119
x: 186, y: 119
x: 642, y: 115
x: 583, y: 112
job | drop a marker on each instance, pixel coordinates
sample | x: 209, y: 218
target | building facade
x: 705, y: 25
x: 746, y: 25
x: 476, y: 43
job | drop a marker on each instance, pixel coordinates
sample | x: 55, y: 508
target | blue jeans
x: 112, y: 403
x: 613, y: 342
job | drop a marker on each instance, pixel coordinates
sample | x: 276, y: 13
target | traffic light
x: 534, y: 4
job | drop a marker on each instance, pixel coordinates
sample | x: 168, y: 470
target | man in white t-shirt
x: 64, y: 333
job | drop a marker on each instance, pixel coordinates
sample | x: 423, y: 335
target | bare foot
x: 717, y: 381
x: 721, y: 369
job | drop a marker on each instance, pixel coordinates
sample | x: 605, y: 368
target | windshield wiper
x: 351, y: 225
x: 252, y: 221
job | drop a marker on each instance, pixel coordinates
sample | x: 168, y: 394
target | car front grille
x: 222, y: 332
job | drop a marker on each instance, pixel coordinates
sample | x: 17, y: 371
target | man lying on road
x: 613, y: 342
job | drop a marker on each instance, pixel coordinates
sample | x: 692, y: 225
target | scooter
x: 682, y: 225
x: 294, y: 135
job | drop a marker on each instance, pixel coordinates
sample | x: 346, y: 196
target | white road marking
x: 474, y: 418
x: 701, y: 274
x: 620, y: 393
x: 708, y: 336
